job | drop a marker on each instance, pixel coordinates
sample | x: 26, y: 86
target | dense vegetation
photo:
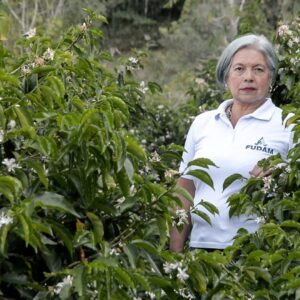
x: 88, y: 168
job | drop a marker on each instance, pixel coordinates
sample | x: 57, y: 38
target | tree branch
x: 34, y: 14
x: 14, y: 14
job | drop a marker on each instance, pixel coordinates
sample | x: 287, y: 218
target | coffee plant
x: 87, y: 182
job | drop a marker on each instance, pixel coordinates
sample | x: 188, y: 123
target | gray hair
x: 258, y: 42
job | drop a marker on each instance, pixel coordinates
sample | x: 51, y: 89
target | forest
x: 96, y: 98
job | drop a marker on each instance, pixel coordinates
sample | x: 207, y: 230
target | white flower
x: 181, y: 217
x: 169, y: 267
x: 48, y: 54
x: 11, y: 124
x: 143, y: 88
x: 83, y: 27
x: 182, y: 274
x: 260, y: 220
x: 1, y: 135
x: 290, y: 43
x: 185, y: 294
x: 133, y: 60
x: 5, y: 219
x: 66, y: 281
x: 151, y: 295
x: 169, y: 174
x: 114, y: 251
x: 294, y: 61
x: 30, y: 33
x: 26, y: 69
x: 284, y: 30
x: 154, y: 157
x: 267, y: 183
x: 11, y: 164
x: 161, y: 106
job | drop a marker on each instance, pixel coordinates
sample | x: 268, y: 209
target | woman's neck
x: 239, y: 110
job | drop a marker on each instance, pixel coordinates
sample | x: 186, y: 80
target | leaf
x: 260, y: 273
x: 78, y: 280
x: 210, y: 207
x: 43, y: 69
x: 230, y: 179
x: 202, y: 215
x: 134, y: 148
x: 182, y: 192
x: 290, y: 224
x: 26, y: 228
x: 144, y: 245
x: 123, y: 276
x: 3, y: 236
x: 203, y: 176
x: 10, y: 187
x: 202, y: 162
x: 38, y: 167
x: 64, y: 234
x: 292, y: 120
x: 54, y: 201
x: 97, y: 225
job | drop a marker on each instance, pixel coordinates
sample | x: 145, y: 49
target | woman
x: 242, y: 131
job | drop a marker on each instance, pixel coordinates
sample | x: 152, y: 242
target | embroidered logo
x: 260, y: 145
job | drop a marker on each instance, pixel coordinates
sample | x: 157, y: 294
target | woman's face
x: 249, y: 78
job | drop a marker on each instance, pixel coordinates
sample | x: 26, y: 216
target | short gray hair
x: 258, y: 42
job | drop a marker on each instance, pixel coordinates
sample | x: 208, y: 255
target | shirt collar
x: 264, y: 112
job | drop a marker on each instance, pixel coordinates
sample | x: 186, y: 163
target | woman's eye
x: 259, y: 69
x: 238, y: 69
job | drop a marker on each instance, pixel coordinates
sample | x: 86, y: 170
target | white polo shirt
x: 234, y: 150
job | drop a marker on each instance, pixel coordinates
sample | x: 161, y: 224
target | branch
x: 34, y: 14
x: 58, y: 8
x: 14, y: 14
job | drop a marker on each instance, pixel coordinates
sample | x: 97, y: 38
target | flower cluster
x: 5, y: 219
x: 180, y: 218
x: 1, y: 136
x: 67, y: 281
x: 143, y: 88
x: 10, y: 164
x: 170, y: 174
x: 30, y: 33
x: 176, y: 269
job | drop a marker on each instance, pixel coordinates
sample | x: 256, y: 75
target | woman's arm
x: 178, y: 238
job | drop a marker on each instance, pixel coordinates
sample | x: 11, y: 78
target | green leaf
x: 202, y: 162
x: 123, y: 276
x: 210, y: 207
x: 290, y: 224
x: 202, y: 215
x: 64, y: 234
x: 97, y: 225
x: 144, y: 245
x: 230, y: 179
x: 203, y: 176
x: 25, y: 227
x: 43, y: 69
x: 10, y: 187
x: 182, y: 192
x: 260, y: 273
x: 54, y: 201
x: 134, y: 148
x: 78, y: 280
x: 38, y: 167
x: 3, y: 236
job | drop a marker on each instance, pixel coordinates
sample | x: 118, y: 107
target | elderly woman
x: 235, y: 136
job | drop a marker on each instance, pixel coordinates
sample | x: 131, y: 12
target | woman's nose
x: 248, y: 75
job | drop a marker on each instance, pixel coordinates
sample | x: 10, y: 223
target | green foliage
x: 87, y: 182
